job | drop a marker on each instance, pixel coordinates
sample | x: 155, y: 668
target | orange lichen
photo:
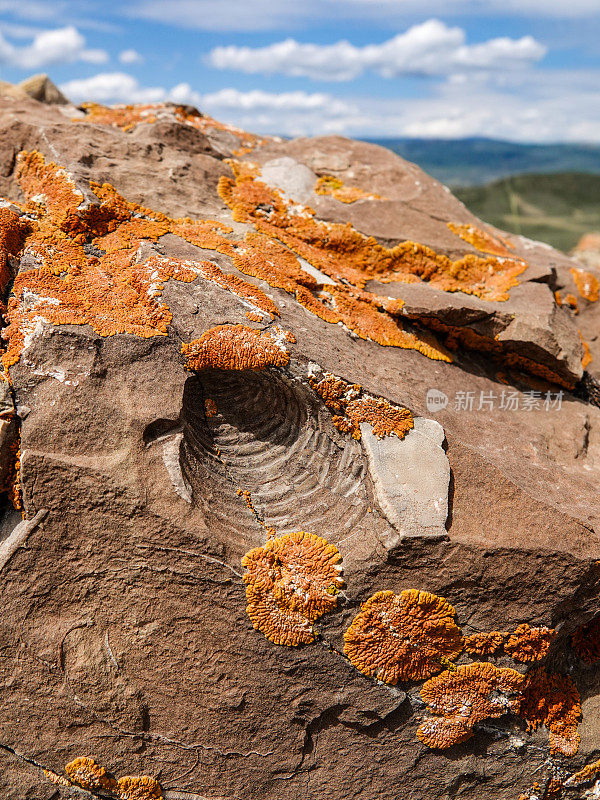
x: 461, y: 698
x: 403, y: 637
x: 587, y: 284
x: 15, y: 495
x: 254, y: 316
x: 59, y: 780
x: 529, y: 644
x: 534, y: 794
x: 210, y: 407
x: 86, y: 773
x: 587, y: 355
x: 111, y: 291
x: 350, y: 406
x: 586, y: 641
x: 342, y: 253
x: 291, y: 581
x: 472, y: 340
x: 587, y: 773
x: 485, y: 644
x: 482, y: 240
x: 571, y: 301
x: 329, y: 185
x: 383, y: 417
x: 552, y: 700
x: 269, y: 260
x: 127, y: 117
x: 12, y: 238
x: 235, y: 347
x: 116, y: 227
x: 138, y: 787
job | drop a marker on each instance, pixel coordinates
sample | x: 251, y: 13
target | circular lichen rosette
x: 403, y: 637
x: 291, y: 581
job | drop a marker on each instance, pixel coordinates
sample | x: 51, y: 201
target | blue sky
x: 525, y: 70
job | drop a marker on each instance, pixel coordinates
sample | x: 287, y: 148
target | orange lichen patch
x: 472, y: 340
x: 128, y: 117
x: 235, y: 347
x: 12, y: 238
x: 462, y: 698
x: 485, y: 644
x: 138, y: 787
x: 233, y: 283
x: 571, y: 301
x: 329, y: 185
x: 358, y: 312
x: 341, y: 252
x: 586, y: 641
x: 270, y: 261
x: 350, y: 406
x: 210, y: 407
x: 50, y: 188
x: 280, y: 625
x: 89, y: 775
x: 254, y: 316
x: 554, y: 789
x: 111, y: 291
x: 482, y: 240
x: 383, y: 417
x: 587, y: 284
x: 588, y: 773
x: 587, y: 356
x: 125, y: 117
x: 59, y: 780
x: 247, y: 499
x: 532, y: 794
x: 120, y: 299
x: 291, y: 581
x: 552, y: 700
x: 529, y: 644
x: 15, y: 495
x: 403, y: 637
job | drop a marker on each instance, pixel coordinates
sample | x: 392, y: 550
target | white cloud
x: 258, y: 100
x: 130, y: 57
x: 119, y: 87
x: 431, y: 48
x: 542, y: 105
x: 290, y: 113
x: 58, y: 46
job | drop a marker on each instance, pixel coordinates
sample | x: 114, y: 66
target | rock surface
x: 145, y: 473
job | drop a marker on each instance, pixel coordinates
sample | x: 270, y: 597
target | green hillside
x: 557, y: 208
x: 476, y: 161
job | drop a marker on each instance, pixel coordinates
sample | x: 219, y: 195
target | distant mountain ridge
x: 475, y: 161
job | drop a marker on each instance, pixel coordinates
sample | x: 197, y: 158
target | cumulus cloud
x: 431, y: 48
x: 290, y: 113
x: 59, y: 46
x: 130, y: 57
x: 549, y: 105
x: 119, y: 87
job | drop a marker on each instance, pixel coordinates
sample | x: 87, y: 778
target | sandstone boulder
x: 214, y: 341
